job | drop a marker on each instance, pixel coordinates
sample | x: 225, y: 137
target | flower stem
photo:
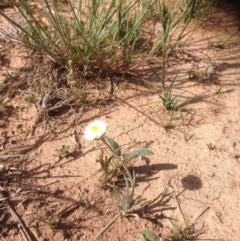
x: 114, y: 152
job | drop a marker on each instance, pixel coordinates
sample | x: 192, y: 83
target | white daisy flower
x: 95, y: 130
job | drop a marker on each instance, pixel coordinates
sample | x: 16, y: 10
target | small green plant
x: 115, y: 163
x: 211, y: 146
x: 166, y: 18
x: 182, y: 233
x: 50, y: 219
x: 7, y: 75
x: 31, y: 99
x: 127, y: 203
x: 174, y: 18
x: 186, y: 135
x: 63, y: 151
x: 200, y: 75
x: 80, y: 92
x: 2, y: 104
x: 167, y: 121
x: 170, y: 102
x: 148, y: 235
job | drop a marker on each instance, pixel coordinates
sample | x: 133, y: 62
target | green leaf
x: 113, y: 144
x: 137, y: 153
x: 148, y: 235
x: 4, y: 157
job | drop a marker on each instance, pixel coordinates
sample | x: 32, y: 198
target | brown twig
x: 179, y: 206
x: 5, y: 198
x: 84, y: 199
x: 199, y: 214
x: 69, y: 209
x: 107, y: 226
x: 17, y: 219
x: 36, y: 185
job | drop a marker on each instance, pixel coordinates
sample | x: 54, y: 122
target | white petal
x: 90, y: 135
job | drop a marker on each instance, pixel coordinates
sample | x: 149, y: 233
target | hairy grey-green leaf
x: 138, y: 153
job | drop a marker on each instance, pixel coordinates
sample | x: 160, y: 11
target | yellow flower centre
x: 94, y: 128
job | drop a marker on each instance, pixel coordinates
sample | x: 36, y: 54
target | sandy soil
x: 191, y: 177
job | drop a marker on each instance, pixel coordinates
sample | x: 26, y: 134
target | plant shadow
x: 145, y: 173
x: 154, y: 209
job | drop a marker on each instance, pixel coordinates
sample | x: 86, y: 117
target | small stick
x: 76, y: 139
x: 84, y: 199
x: 69, y: 209
x: 179, y: 207
x: 43, y: 185
x: 5, y: 198
x: 200, y: 213
x: 17, y: 219
x: 19, y: 222
x: 170, y: 223
x: 49, y: 183
x: 107, y: 226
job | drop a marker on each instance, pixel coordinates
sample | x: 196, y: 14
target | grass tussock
x: 87, y: 35
x: 75, y: 42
